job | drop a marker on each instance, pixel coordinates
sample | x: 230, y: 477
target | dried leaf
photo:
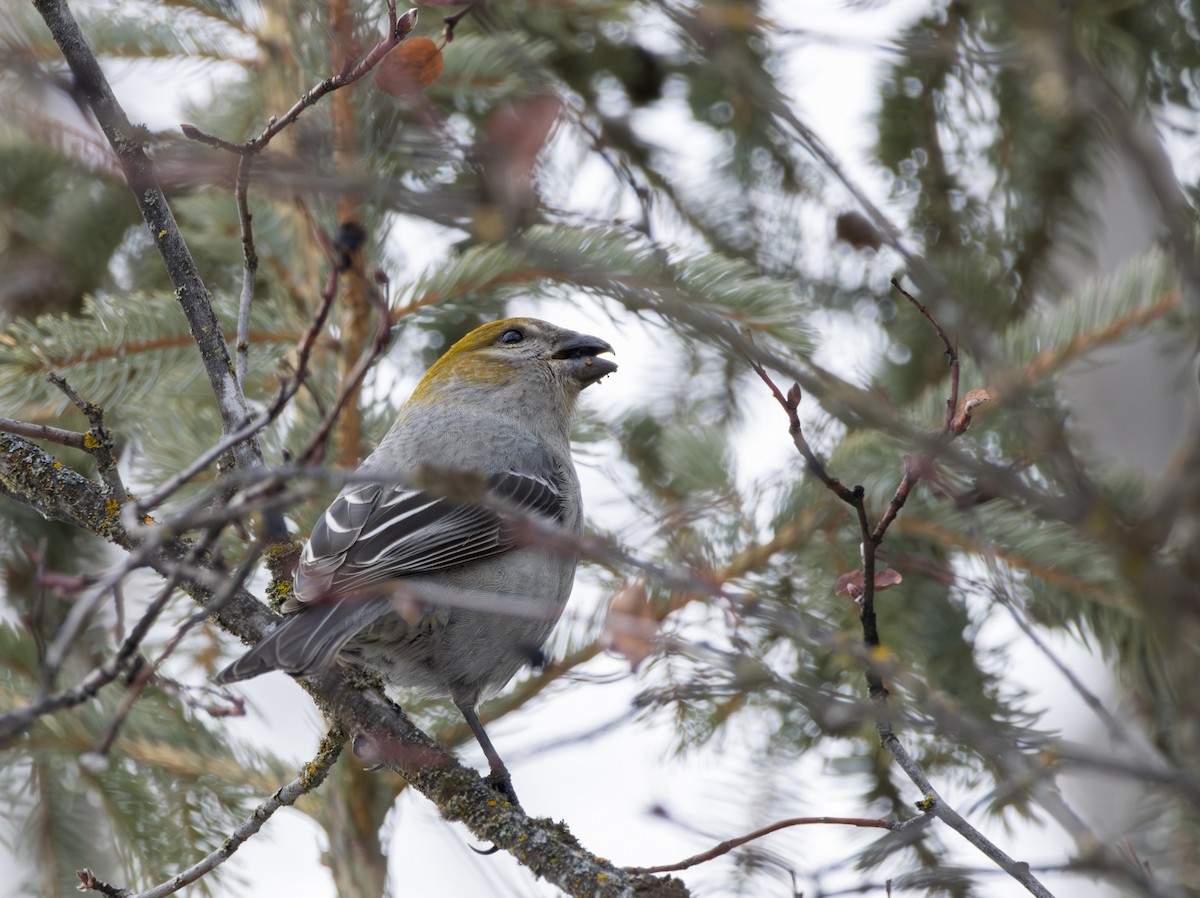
x: 970, y: 403
x: 508, y: 150
x: 410, y: 68
x: 851, y: 582
x: 630, y: 625
x: 517, y: 131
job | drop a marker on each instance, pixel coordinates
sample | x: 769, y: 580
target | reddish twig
x: 399, y: 27
x: 951, y: 353
x: 383, y: 336
x: 41, y: 432
x: 451, y: 22
x: 956, y: 422
x: 791, y: 406
x: 729, y: 844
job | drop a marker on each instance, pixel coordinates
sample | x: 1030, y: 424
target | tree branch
x: 953, y: 425
x: 190, y: 290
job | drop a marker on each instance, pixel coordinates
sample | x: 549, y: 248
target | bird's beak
x: 579, y: 352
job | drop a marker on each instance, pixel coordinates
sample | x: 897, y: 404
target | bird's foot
x: 500, y: 781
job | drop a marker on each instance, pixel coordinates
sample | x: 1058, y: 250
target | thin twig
x: 67, y: 438
x: 398, y: 29
x: 870, y: 542
x: 146, y: 673
x: 729, y: 844
x: 286, y: 391
x: 451, y: 22
x: 16, y: 722
x: 383, y: 336
x: 98, y: 441
x: 310, y: 778
x: 951, y: 353
x: 249, y: 268
x: 791, y: 406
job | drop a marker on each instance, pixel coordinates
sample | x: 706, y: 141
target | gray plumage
x: 411, y: 577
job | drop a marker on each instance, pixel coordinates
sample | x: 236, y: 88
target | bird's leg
x: 499, y: 779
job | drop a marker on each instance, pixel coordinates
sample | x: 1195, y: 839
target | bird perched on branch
x: 447, y: 572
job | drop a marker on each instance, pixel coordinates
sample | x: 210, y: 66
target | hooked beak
x: 579, y: 352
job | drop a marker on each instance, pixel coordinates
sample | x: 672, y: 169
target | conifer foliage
x: 871, y: 461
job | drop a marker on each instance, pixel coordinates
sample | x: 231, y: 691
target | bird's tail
x: 308, y: 640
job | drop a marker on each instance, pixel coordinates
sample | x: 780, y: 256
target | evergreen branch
x: 190, y: 290
x: 864, y: 596
x: 935, y: 805
x: 1054, y: 358
x: 157, y: 344
x: 14, y: 723
x: 126, y: 659
x: 956, y: 538
x: 1100, y: 97
x: 310, y: 778
x: 218, y: 12
x: 398, y: 29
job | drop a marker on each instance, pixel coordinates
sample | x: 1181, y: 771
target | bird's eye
x: 512, y: 335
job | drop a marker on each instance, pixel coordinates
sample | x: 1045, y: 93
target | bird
x: 425, y: 568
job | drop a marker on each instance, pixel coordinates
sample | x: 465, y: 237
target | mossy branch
x: 33, y: 477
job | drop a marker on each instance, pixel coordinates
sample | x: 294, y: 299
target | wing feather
x: 372, y: 534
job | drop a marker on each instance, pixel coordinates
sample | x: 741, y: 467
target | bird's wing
x: 372, y: 534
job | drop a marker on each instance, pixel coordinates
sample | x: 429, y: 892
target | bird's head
x: 522, y: 359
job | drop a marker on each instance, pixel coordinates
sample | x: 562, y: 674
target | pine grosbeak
x: 438, y: 593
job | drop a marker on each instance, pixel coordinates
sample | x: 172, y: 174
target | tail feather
x: 308, y: 640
